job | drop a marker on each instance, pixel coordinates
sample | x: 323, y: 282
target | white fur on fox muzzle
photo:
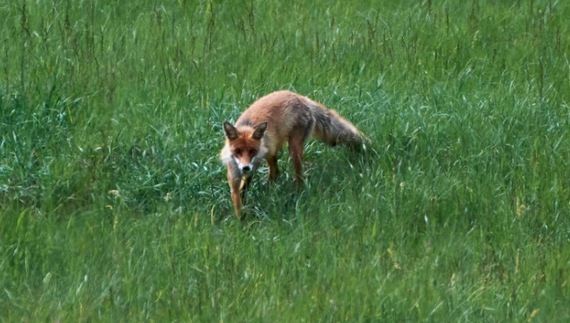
x: 243, y: 167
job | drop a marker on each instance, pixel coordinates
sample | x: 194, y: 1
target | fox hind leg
x: 273, y: 168
x: 296, y: 144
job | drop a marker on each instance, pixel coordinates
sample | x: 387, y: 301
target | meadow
x: 115, y: 206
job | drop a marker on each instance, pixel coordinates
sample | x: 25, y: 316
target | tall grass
x: 115, y: 205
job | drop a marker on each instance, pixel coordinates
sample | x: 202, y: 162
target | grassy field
x: 115, y: 206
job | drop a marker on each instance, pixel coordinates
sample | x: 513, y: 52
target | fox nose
x: 246, y: 168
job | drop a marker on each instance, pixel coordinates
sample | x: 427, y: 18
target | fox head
x: 245, y: 144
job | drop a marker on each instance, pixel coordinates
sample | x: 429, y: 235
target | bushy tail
x: 333, y: 129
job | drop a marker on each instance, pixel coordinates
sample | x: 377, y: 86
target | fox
x: 270, y: 122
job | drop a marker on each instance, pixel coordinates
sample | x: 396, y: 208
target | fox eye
x: 238, y: 151
x: 252, y: 151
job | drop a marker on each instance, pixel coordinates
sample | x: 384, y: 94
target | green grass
x: 115, y: 205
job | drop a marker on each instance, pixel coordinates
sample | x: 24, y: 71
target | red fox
x: 262, y: 130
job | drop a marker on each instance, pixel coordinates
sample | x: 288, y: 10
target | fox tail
x: 333, y: 129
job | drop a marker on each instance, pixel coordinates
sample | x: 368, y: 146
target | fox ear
x: 259, y: 131
x: 230, y: 130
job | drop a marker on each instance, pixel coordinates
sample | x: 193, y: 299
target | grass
x: 115, y: 205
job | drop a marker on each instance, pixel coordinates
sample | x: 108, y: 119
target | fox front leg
x: 235, y: 182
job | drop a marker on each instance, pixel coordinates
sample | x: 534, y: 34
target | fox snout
x: 244, y: 167
x: 247, y: 170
